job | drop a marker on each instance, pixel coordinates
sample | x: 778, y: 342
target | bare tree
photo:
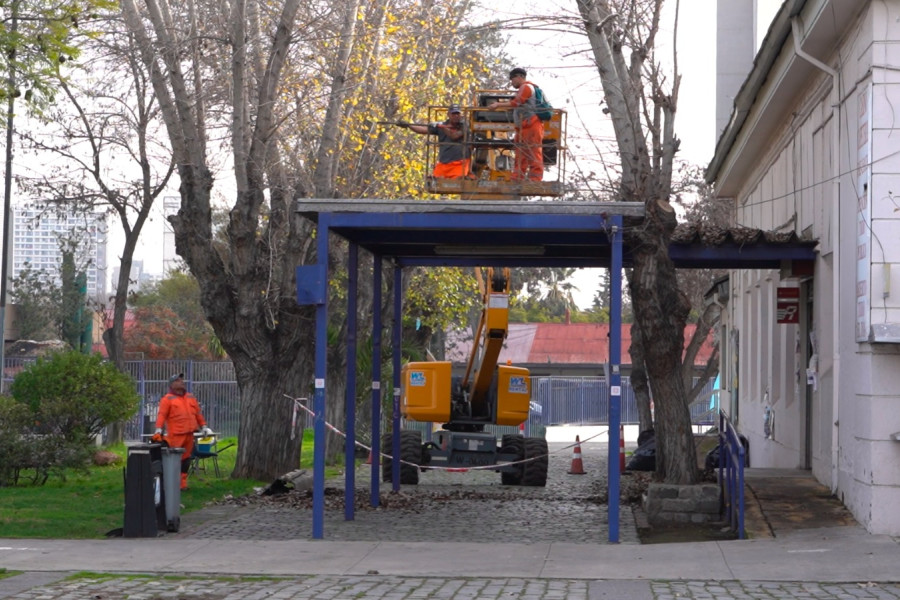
x: 108, y: 115
x: 622, y: 37
x: 246, y: 292
x: 711, y: 214
x: 703, y: 211
x: 280, y: 86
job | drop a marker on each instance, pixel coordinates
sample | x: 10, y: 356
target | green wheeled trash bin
x: 171, y: 469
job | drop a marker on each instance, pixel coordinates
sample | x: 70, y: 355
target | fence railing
x: 585, y: 401
x: 732, y: 458
x: 212, y: 382
x: 554, y: 400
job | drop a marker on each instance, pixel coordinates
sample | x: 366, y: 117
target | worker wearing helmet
x: 529, y: 128
x: 453, y: 160
x: 179, y: 412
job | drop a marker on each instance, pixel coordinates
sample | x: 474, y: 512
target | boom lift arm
x: 493, y: 325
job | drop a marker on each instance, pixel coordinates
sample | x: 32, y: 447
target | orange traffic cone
x: 577, y: 467
x: 621, y: 448
x: 369, y: 460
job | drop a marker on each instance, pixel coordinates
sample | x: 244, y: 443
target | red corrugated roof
x: 562, y: 343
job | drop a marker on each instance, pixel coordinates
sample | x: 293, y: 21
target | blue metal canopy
x: 525, y: 234
x: 482, y: 233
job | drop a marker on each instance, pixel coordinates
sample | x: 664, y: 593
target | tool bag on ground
x: 644, y: 458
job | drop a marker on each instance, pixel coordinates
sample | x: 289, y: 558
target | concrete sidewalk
x: 793, y: 554
x: 822, y: 555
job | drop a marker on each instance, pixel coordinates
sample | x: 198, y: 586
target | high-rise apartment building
x: 36, y: 242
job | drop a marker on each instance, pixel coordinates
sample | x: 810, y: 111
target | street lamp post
x: 7, y: 196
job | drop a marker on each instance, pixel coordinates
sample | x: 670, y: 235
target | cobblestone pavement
x: 759, y: 590
x: 377, y: 587
x: 447, y: 507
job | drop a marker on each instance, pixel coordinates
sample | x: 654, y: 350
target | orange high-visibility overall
x: 529, y: 137
x: 181, y: 415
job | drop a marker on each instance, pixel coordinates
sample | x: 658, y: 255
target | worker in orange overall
x: 453, y: 160
x: 529, y: 128
x: 179, y: 412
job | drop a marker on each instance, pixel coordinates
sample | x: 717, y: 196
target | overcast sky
x: 561, y: 65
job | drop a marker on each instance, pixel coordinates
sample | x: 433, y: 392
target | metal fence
x: 585, y: 401
x: 554, y: 400
x: 213, y: 383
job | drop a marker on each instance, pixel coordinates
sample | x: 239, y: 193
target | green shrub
x: 75, y: 395
x: 59, y: 405
x: 25, y: 454
x: 15, y: 419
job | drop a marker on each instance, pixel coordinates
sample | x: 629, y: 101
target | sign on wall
x: 787, y: 304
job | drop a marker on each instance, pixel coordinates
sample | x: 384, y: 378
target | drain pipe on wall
x: 835, y: 241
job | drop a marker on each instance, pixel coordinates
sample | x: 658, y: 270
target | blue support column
x: 395, y: 342
x: 318, y: 532
x: 615, y: 388
x: 350, y: 428
x: 374, y: 491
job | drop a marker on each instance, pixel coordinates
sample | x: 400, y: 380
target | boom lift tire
x: 534, y: 472
x: 514, y: 444
x: 410, y: 452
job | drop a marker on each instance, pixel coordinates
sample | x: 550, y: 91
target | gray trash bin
x: 171, y: 468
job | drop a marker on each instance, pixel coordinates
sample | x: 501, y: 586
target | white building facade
x: 813, y: 146
x: 36, y: 236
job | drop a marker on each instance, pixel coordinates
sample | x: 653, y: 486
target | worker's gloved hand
x: 402, y: 124
x: 157, y: 435
x: 206, y: 431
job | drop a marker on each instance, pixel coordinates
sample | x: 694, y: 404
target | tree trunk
x: 336, y: 413
x: 639, y: 385
x: 708, y: 319
x: 661, y: 313
x: 266, y: 415
x: 622, y: 38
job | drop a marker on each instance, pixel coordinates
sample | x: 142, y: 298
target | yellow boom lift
x: 487, y: 394
x: 490, y: 143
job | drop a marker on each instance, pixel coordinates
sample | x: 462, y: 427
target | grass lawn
x: 88, y: 505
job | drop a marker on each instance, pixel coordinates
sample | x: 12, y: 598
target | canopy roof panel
x: 528, y: 233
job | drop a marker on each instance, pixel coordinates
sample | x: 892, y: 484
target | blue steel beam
x: 318, y: 531
x: 615, y: 388
x: 395, y: 354
x: 350, y: 397
x: 375, y: 479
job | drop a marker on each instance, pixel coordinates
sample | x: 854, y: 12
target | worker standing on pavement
x: 453, y: 159
x: 180, y: 413
x: 529, y: 128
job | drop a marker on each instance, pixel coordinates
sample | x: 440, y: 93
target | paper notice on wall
x: 812, y: 372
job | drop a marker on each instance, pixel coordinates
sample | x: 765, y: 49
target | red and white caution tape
x: 298, y: 403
